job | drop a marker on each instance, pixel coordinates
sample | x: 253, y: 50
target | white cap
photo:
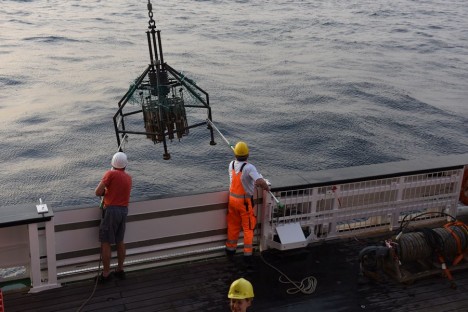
x: 119, y: 160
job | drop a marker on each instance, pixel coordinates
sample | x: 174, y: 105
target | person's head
x: 241, y: 151
x: 241, y: 295
x: 119, y: 160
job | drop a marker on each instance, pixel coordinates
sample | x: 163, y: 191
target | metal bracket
x: 42, y: 208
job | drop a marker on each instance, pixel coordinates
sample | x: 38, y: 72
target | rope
x: 95, y: 286
x: 222, y: 136
x: 123, y: 142
x: 278, y: 203
x: 101, y: 206
x: 306, y: 286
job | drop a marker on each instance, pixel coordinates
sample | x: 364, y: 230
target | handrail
x: 327, y: 204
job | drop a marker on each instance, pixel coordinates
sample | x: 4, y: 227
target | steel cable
x: 424, y: 244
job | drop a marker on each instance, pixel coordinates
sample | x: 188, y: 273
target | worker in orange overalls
x: 244, y: 177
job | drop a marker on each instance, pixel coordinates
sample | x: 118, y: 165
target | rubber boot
x: 249, y: 263
x: 230, y: 254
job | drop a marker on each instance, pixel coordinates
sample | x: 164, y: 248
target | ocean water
x: 309, y: 85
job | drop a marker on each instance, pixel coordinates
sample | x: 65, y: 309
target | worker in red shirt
x: 115, y: 186
x: 244, y: 177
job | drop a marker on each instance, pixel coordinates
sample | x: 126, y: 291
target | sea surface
x: 309, y: 85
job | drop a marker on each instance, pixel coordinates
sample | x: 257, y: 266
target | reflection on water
x: 307, y: 85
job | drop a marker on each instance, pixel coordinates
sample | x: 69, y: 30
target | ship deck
x: 203, y: 286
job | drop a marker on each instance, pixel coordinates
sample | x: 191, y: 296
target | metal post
x: 34, y: 254
x: 51, y: 256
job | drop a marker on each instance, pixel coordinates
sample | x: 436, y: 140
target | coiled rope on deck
x: 306, y: 286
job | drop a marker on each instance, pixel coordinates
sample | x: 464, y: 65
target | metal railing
x: 322, y: 205
x: 367, y: 205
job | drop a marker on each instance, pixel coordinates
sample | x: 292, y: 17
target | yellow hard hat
x: 241, y: 149
x: 241, y: 289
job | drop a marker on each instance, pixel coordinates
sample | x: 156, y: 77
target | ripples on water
x: 308, y: 84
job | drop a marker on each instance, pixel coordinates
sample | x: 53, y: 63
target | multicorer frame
x: 159, y: 92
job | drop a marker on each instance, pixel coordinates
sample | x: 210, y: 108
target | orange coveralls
x: 240, y: 214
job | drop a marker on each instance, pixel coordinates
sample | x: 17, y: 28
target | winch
x: 419, y: 253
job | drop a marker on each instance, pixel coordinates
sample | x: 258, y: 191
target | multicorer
x: 163, y: 96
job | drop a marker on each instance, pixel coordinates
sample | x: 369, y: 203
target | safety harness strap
x: 235, y: 195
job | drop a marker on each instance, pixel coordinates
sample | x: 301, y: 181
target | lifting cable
x: 122, y: 144
x: 211, y: 124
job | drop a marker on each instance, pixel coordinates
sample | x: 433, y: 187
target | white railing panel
x: 334, y: 211
x: 178, y: 223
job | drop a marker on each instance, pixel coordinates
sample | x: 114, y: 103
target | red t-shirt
x: 118, y: 186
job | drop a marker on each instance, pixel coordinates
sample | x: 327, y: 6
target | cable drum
x: 451, y: 245
x: 413, y: 246
x: 422, y: 245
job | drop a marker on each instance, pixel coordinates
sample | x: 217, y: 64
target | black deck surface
x: 203, y: 286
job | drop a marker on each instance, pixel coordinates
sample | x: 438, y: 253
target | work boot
x: 120, y: 274
x: 101, y: 279
x: 230, y: 254
x: 249, y: 263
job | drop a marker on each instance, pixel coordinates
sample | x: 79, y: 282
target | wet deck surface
x: 203, y: 286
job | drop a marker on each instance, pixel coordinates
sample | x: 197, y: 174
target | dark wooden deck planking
x: 203, y: 286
